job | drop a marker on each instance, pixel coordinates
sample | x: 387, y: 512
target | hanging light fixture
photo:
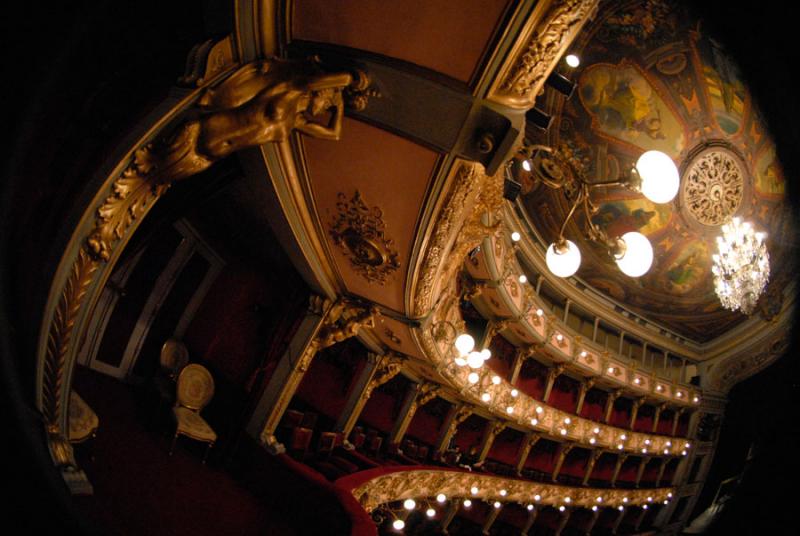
x: 741, y: 266
x: 655, y: 176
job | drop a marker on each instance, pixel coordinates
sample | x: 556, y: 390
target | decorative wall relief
x: 359, y: 231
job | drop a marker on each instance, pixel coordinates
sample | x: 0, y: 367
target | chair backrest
x: 195, y: 387
x: 174, y: 356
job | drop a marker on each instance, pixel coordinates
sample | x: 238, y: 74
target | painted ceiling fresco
x: 650, y: 78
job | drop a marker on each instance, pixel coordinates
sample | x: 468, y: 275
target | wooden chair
x: 174, y: 356
x: 83, y: 421
x: 194, y: 391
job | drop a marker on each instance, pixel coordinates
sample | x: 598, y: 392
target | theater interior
x: 289, y: 267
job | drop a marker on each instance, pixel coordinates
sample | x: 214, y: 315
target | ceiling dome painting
x: 651, y: 79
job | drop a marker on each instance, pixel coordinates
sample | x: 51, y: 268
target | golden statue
x: 263, y: 101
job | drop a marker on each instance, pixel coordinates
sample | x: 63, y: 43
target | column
x: 661, y: 468
x: 621, y: 341
x: 612, y: 397
x: 493, y: 328
x: 378, y: 370
x: 527, y: 444
x: 519, y: 359
x: 539, y: 284
x: 596, y: 327
x: 552, y: 374
x: 659, y: 409
x: 563, y: 521
x: 563, y: 450
x: 450, y: 513
x: 639, y: 519
x: 325, y: 324
x: 592, y: 521
x: 676, y: 420
x: 620, y: 460
x: 582, y: 390
x: 487, y: 525
x: 635, y: 410
x: 530, y: 521
x: 590, y: 463
x: 456, y: 416
x: 492, y: 430
x: 418, y: 395
x: 617, y: 521
x: 566, y: 310
x: 642, y: 464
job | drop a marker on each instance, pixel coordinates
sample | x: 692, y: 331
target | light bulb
x: 465, y: 343
x: 534, y: 421
x: 530, y: 507
x: 592, y: 440
x: 539, y: 410
x: 594, y: 508
x: 596, y: 430
x: 583, y: 353
x: 567, y: 500
x: 515, y: 236
x: 474, y: 490
x: 599, y: 499
x: 475, y: 360
x: 624, y: 499
x: 510, y: 410
x: 430, y: 512
x: 567, y: 420
x: 409, y: 504
x: 644, y: 507
x: 497, y: 504
x: 503, y: 493
x: 660, y: 180
x: 398, y: 524
x: 566, y: 263
x: 514, y: 393
x: 638, y: 256
x: 496, y: 379
x: 441, y: 498
x: 572, y: 60
x: 620, y: 508
x: 563, y: 431
x: 460, y: 361
x: 486, y: 354
x: 486, y: 397
x: 561, y: 508
x: 539, y: 312
x: 649, y: 499
x: 473, y: 377
x: 537, y: 497
x: 467, y: 503
x: 646, y: 441
x: 523, y: 279
x: 623, y: 437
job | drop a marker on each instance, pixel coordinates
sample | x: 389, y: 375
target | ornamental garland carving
x: 524, y: 80
x: 401, y: 485
x: 713, y: 187
x: 360, y: 233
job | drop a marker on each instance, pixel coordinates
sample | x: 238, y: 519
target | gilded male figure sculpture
x: 261, y: 102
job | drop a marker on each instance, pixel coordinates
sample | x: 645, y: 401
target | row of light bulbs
x: 465, y: 345
x: 441, y: 498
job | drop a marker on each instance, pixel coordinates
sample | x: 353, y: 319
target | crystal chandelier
x: 741, y: 268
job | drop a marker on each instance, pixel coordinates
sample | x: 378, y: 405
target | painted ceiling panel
x: 446, y: 37
x: 650, y: 78
x: 368, y: 188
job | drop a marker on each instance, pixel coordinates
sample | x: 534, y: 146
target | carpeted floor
x: 140, y: 489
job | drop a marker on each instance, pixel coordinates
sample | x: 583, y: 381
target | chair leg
x: 174, y: 439
x: 205, y: 456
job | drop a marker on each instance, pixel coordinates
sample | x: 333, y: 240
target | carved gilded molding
x: 725, y: 375
x: 459, y: 223
x: 548, y: 33
x: 401, y: 485
x: 359, y: 232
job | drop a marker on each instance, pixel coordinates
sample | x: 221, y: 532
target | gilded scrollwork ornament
x: 360, y: 233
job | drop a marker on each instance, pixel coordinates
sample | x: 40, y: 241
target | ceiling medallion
x: 713, y: 186
x: 359, y: 232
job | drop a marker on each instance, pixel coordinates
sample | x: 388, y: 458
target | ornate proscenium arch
x: 232, y: 109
